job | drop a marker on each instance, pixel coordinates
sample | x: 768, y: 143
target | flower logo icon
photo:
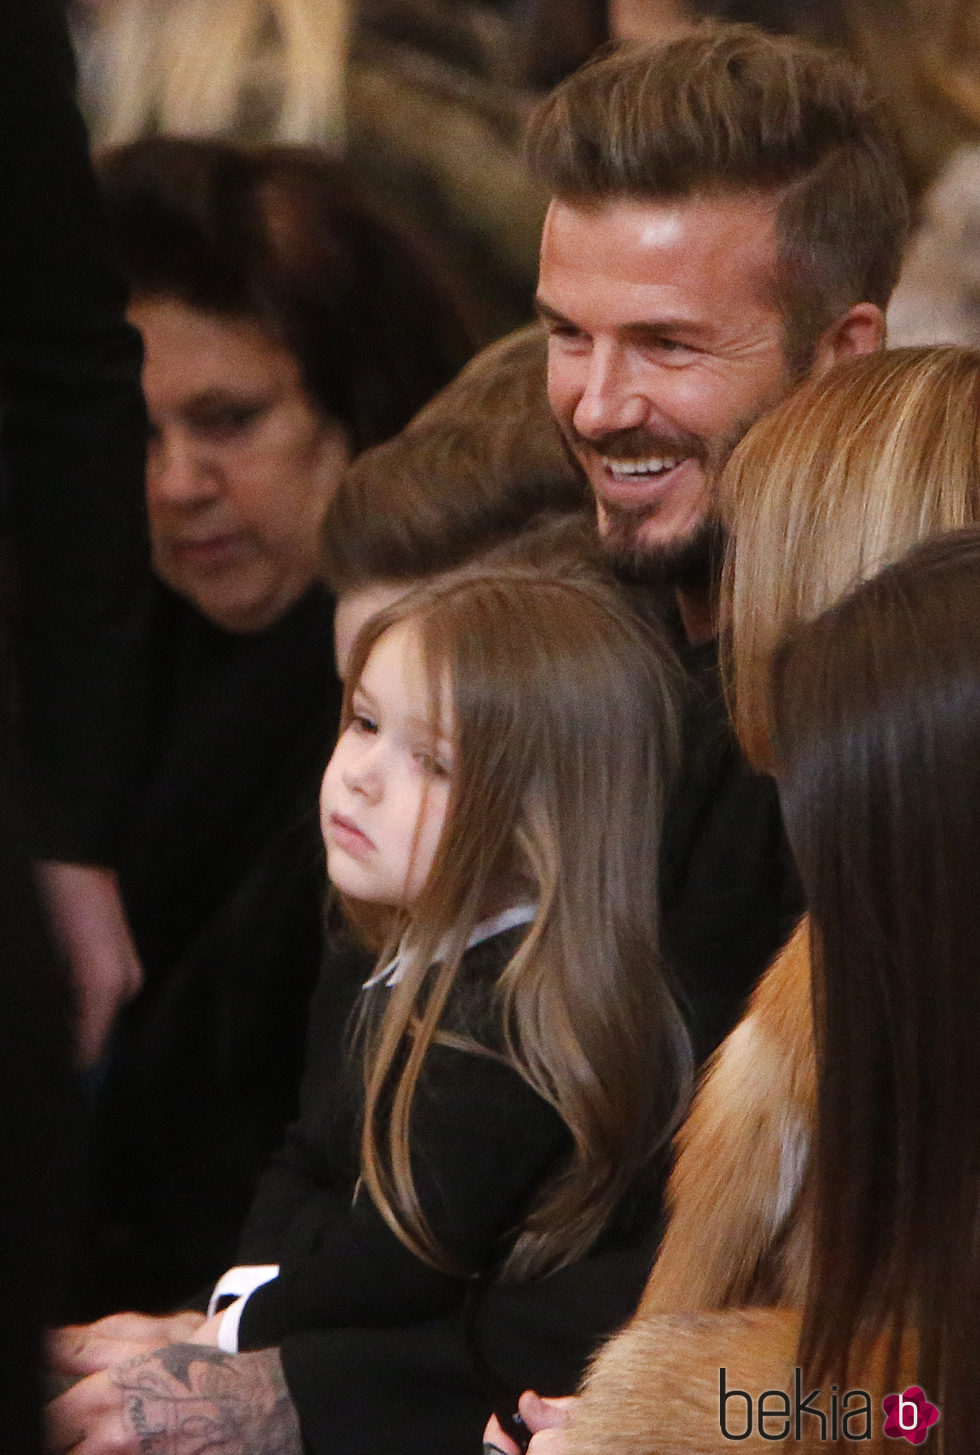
x: 910, y: 1415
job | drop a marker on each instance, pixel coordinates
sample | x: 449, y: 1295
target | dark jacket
x: 73, y: 441
x: 222, y: 874
x: 380, y: 1350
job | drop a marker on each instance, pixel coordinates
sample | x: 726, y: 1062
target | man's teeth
x: 656, y: 465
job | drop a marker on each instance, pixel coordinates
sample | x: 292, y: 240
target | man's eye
x: 669, y: 346
x: 564, y: 331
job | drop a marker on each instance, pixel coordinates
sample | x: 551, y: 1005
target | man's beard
x: 692, y: 563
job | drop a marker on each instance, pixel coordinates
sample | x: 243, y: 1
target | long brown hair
x: 843, y: 477
x: 567, y: 734
x: 876, y: 713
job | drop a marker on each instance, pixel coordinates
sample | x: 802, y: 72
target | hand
x: 545, y: 1418
x: 185, y: 1399
x: 207, y: 1331
x: 89, y: 923
x: 81, y: 1349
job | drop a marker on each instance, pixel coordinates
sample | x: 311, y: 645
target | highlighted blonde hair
x: 568, y: 735
x: 837, y: 482
x: 258, y: 70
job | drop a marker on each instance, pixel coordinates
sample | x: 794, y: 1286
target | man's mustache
x: 641, y: 444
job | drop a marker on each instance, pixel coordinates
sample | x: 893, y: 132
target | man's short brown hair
x: 729, y: 109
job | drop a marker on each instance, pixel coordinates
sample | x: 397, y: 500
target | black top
x: 222, y: 873
x: 380, y: 1350
x: 482, y: 1143
x: 730, y: 891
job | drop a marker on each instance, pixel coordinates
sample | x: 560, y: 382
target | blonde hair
x: 841, y: 479
x: 257, y: 70
x: 568, y: 735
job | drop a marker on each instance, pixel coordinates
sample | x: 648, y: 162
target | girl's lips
x: 347, y: 836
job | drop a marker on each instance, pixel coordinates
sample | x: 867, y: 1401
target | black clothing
x: 380, y: 1350
x: 73, y: 442
x: 223, y: 879
x: 730, y: 892
x: 483, y: 1141
x: 37, y: 1128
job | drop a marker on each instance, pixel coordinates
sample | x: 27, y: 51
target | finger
x: 90, y: 1353
x: 64, y: 1424
x: 548, y: 1442
x: 66, y: 1348
x: 539, y: 1413
x: 495, y: 1442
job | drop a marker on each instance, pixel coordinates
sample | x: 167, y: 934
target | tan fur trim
x: 733, y: 1237
x: 654, y: 1390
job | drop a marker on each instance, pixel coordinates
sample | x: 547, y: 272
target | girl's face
x: 385, y: 794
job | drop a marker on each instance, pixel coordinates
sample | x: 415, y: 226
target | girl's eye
x: 435, y: 767
x: 361, y: 723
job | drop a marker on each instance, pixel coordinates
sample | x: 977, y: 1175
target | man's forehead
x: 672, y: 256
x: 639, y: 224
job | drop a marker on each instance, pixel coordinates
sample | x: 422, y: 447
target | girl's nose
x: 364, y: 774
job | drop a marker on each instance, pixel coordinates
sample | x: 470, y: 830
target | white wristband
x: 241, y: 1281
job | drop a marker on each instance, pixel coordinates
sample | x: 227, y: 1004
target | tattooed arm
x: 184, y: 1399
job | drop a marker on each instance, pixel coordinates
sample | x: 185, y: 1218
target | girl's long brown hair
x: 567, y: 735
x: 876, y: 730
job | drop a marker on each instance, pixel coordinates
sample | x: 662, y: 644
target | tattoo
x: 178, y: 1358
x: 191, y: 1399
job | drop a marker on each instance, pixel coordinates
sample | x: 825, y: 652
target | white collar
x: 392, y: 972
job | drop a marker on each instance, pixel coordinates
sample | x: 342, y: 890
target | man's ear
x: 861, y: 330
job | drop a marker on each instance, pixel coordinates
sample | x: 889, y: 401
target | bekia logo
x: 780, y: 1415
x: 910, y: 1415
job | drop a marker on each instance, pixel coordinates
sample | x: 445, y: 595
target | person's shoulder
x: 473, y: 1010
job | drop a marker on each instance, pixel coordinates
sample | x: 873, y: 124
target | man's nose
x: 177, y: 472
x: 610, y: 399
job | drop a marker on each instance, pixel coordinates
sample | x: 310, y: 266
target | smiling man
x: 728, y: 217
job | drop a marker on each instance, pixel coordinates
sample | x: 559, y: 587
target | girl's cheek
x: 325, y: 784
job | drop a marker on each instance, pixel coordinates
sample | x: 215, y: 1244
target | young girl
x: 493, y: 1101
